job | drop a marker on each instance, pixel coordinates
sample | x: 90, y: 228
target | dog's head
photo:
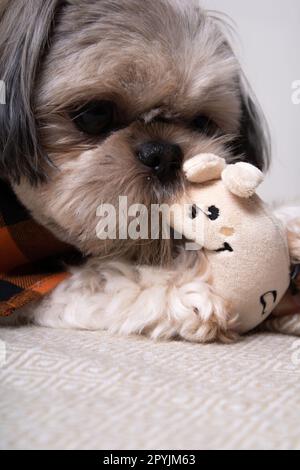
x: 108, y: 98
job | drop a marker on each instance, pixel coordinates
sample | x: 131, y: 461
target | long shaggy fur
x: 25, y: 28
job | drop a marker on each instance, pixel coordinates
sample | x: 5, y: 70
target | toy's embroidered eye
x: 213, y: 213
x: 194, y: 212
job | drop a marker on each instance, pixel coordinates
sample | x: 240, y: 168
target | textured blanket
x: 72, y: 390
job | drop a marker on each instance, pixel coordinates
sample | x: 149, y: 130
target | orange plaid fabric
x: 30, y: 257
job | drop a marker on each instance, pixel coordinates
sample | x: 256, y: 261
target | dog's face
x: 112, y: 97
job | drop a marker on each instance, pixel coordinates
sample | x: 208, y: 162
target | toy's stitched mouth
x: 225, y: 247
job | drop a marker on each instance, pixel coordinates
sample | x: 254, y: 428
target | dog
x: 108, y: 98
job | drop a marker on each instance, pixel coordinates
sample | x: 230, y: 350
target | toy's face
x: 214, y: 218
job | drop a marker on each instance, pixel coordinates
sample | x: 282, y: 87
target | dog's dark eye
x: 205, y: 125
x: 95, y: 118
x: 213, y: 213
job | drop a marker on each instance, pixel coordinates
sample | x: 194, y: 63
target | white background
x: 269, y: 48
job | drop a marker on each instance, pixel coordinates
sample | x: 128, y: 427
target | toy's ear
x: 204, y: 167
x: 242, y: 179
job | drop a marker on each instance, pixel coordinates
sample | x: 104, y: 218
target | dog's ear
x: 253, y: 144
x: 25, y: 30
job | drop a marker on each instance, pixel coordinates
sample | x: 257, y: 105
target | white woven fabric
x: 86, y: 390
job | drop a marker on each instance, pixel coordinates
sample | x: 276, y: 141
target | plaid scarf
x: 30, y: 257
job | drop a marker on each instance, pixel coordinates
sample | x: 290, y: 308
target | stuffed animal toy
x: 246, y: 246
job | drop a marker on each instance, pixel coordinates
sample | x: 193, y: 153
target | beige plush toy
x: 245, y: 244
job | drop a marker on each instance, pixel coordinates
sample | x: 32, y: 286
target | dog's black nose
x: 163, y: 157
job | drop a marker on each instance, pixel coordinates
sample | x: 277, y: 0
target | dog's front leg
x: 123, y: 299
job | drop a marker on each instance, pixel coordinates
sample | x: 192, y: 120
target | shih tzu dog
x: 108, y: 98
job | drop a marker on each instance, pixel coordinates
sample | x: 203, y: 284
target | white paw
x: 196, y: 314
